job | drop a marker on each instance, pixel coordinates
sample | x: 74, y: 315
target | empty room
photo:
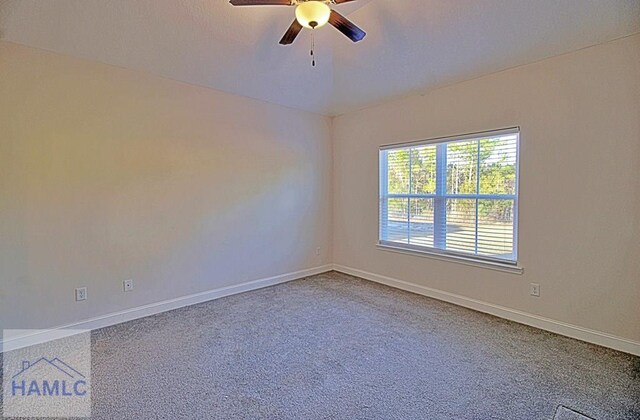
x: 320, y: 209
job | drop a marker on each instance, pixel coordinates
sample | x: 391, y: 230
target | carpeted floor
x: 336, y: 347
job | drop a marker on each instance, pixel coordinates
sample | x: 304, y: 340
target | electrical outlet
x: 318, y: 251
x: 81, y: 294
x: 534, y: 289
x: 127, y: 285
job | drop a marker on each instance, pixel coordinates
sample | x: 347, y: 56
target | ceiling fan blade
x: 260, y: 2
x: 291, y: 33
x: 345, y: 26
x: 342, y: 1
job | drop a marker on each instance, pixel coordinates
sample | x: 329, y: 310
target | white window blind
x: 455, y: 196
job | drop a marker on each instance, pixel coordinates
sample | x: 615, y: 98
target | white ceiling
x: 411, y: 46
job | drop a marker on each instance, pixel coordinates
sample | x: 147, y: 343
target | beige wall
x: 579, y: 185
x: 108, y: 174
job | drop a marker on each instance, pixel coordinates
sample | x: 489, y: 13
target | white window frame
x: 440, y: 197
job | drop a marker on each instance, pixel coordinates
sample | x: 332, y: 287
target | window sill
x: 490, y: 265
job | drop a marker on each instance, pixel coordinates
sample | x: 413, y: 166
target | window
x: 456, y: 196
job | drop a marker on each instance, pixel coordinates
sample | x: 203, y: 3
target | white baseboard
x: 558, y: 327
x: 32, y: 337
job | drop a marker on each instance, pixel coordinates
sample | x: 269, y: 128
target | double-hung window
x: 456, y: 196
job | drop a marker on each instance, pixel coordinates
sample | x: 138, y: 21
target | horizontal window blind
x: 452, y: 196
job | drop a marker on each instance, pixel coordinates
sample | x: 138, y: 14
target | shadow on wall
x: 170, y: 208
x: 144, y: 178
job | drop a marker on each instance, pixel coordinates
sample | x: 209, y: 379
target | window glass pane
x: 398, y: 171
x: 498, y: 165
x: 461, y: 225
x: 495, y: 228
x: 421, y: 226
x: 397, y: 220
x: 423, y: 170
x: 462, y: 167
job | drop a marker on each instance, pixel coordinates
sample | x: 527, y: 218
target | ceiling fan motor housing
x: 297, y: 2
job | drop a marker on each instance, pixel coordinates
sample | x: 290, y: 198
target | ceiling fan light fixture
x: 313, y: 14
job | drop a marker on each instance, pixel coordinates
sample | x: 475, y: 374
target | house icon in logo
x: 55, y: 363
x: 48, y: 378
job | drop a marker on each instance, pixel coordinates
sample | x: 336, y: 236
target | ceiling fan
x: 310, y: 14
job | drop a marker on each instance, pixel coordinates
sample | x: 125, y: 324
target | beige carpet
x: 337, y: 347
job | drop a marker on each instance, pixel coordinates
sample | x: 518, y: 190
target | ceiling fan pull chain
x: 313, y: 57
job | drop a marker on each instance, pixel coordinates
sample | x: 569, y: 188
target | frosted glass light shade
x: 313, y: 11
